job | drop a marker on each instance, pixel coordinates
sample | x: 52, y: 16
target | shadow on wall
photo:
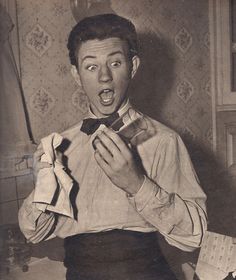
x: 219, y: 186
x: 150, y: 90
x: 220, y: 189
x: 153, y: 82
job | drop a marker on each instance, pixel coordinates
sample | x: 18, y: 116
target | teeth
x: 106, y: 99
x: 106, y: 96
x: 106, y: 90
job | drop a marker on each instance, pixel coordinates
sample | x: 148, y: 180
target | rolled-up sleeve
x: 171, y: 198
x: 35, y: 224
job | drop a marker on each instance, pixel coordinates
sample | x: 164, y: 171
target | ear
x: 135, y: 65
x: 76, y: 75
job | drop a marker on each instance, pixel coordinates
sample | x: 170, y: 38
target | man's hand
x: 37, y: 163
x: 116, y: 160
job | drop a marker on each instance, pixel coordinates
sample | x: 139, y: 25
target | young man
x: 127, y: 191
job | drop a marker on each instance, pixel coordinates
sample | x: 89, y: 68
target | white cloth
x: 53, y: 181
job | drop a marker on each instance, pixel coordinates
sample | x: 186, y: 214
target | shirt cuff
x: 144, y: 194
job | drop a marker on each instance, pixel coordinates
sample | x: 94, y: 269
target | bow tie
x: 90, y: 125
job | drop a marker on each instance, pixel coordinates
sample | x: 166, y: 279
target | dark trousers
x: 115, y: 255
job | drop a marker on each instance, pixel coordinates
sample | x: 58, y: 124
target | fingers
x: 117, y: 162
x: 112, y: 154
x: 37, y: 166
x: 114, y: 144
x: 116, y: 139
x: 102, y: 148
x: 42, y: 165
x: 100, y: 160
x: 37, y: 163
x: 38, y: 153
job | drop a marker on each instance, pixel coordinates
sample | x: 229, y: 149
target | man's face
x: 105, y: 71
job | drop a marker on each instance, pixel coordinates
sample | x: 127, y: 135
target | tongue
x: 105, y: 95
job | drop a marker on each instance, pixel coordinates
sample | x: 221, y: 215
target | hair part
x: 102, y: 27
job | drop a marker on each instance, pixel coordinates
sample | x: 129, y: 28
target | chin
x: 109, y: 110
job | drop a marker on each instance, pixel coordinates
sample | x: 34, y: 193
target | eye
x: 92, y: 67
x: 115, y: 64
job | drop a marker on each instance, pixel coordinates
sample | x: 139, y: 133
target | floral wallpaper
x: 53, y: 100
x: 173, y: 84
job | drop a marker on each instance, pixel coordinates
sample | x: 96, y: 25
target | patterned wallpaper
x: 173, y: 84
x: 52, y: 97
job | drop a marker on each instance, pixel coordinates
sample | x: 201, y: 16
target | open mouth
x: 107, y: 96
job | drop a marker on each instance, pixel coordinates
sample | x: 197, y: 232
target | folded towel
x: 53, y: 184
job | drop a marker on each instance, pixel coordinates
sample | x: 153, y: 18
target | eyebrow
x: 93, y: 56
x: 88, y: 56
x: 116, y: 52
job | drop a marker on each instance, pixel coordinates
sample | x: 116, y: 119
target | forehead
x: 102, y: 47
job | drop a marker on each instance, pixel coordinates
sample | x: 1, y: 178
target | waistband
x: 111, y: 237
x: 110, y: 246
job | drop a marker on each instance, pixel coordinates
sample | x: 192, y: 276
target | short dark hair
x: 102, y: 27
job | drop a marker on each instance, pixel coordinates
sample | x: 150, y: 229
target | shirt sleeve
x: 171, y: 198
x: 36, y: 225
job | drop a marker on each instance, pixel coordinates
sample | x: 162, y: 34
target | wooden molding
x: 221, y: 45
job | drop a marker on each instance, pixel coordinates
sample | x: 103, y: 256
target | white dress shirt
x: 170, y: 200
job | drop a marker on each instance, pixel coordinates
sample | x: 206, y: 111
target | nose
x: 105, y: 74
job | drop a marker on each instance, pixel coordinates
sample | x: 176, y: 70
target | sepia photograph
x: 118, y: 139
